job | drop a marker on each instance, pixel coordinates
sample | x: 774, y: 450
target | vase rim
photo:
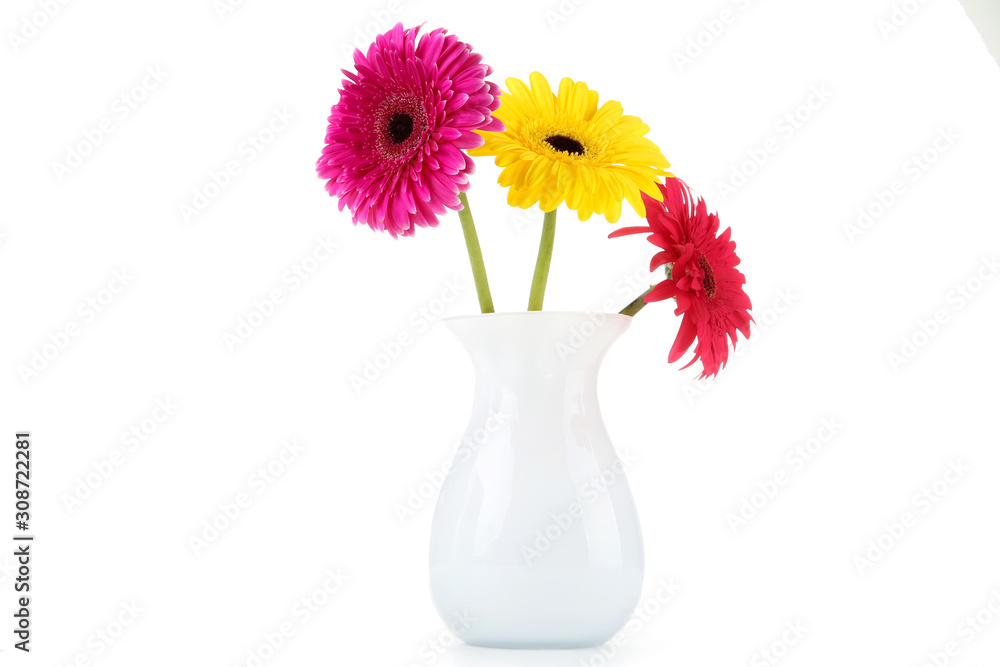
x: 537, y: 313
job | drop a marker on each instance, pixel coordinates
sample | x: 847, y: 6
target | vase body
x: 535, y: 541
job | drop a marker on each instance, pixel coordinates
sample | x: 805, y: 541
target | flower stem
x: 541, y: 277
x: 638, y: 304
x: 475, y: 256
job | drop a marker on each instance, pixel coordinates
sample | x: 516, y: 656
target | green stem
x: 638, y: 304
x: 475, y: 256
x: 541, y: 277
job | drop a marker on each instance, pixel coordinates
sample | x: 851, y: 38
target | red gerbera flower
x: 394, y: 147
x: 701, y: 275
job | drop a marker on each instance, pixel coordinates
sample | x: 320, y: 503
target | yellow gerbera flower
x: 564, y: 148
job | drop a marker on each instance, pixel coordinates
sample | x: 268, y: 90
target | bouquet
x: 418, y: 107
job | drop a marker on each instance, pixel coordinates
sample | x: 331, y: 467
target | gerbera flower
x: 394, y: 145
x: 564, y: 148
x: 701, y: 275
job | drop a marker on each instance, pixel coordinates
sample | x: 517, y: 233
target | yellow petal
x: 574, y: 99
x: 614, y: 211
x: 544, y: 99
x: 607, y: 116
x: 538, y: 171
x: 519, y: 94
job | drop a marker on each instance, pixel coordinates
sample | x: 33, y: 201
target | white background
x: 832, y: 308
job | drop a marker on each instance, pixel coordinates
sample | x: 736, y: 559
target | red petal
x: 628, y: 230
x: 685, y: 336
x: 665, y: 290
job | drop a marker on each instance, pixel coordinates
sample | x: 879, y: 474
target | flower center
x: 400, y: 127
x: 565, y: 144
x: 708, y: 281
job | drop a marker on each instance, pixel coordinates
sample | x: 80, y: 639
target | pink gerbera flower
x: 701, y: 276
x: 394, y: 147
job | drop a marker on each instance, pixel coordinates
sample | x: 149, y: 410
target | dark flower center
x: 400, y: 127
x: 565, y: 144
x: 708, y: 281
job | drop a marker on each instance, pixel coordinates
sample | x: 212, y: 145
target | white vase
x: 535, y: 541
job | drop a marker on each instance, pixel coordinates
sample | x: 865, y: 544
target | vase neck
x: 538, y: 343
